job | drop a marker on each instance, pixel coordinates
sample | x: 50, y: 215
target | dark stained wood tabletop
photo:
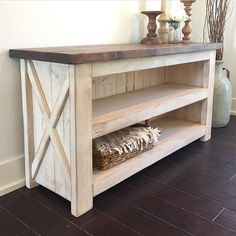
x: 94, y: 53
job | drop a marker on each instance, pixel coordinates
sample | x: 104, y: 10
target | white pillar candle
x: 163, y: 5
x: 143, y: 5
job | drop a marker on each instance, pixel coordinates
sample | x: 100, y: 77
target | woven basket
x: 103, y: 160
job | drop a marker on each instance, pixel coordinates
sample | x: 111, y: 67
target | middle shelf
x: 119, y: 111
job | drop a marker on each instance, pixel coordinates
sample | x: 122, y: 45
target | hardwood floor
x: 191, y: 192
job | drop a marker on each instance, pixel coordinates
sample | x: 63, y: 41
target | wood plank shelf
x: 177, y: 133
x: 116, y: 112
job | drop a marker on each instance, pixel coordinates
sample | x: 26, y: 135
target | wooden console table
x: 74, y: 94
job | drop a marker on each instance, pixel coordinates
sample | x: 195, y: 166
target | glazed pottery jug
x: 222, y: 96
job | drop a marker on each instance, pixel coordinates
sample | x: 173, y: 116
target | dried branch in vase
x: 216, y: 18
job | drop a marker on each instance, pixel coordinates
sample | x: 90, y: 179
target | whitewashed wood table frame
x: 67, y: 104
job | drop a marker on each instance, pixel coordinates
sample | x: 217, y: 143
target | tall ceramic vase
x: 222, y: 96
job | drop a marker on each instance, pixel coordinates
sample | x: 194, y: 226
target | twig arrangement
x: 216, y: 18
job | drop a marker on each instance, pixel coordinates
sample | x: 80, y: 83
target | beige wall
x: 230, y: 51
x: 55, y: 23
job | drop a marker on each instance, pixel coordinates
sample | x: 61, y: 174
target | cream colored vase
x: 222, y: 96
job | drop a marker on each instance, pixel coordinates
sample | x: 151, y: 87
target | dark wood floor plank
x: 231, y: 233
x: 227, y: 133
x: 103, y: 225
x: 62, y: 207
x: 188, y: 169
x: 159, y: 173
x: 181, y: 199
x: 204, y: 177
x: 213, y: 149
x: 38, y: 217
x: 227, y: 218
x: 134, y: 218
x: 203, y: 158
x: 183, y: 161
x: 58, y: 204
x: 232, y: 181
x: 9, y: 225
x: 221, y: 193
x: 216, y: 158
x: 181, y: 218
x: 28, y: 233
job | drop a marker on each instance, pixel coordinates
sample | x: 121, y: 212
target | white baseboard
x: 233, y: 111
x: 12, y: 175
x: 11, y: 187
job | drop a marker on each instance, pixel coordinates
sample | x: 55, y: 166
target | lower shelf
x: 176, y: 134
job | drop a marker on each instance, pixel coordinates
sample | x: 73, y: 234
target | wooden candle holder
x: 187, y: 29
x: 151, y: 37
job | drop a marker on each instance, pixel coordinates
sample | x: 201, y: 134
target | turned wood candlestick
x: 151, y: 37
x: 187, y: 29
